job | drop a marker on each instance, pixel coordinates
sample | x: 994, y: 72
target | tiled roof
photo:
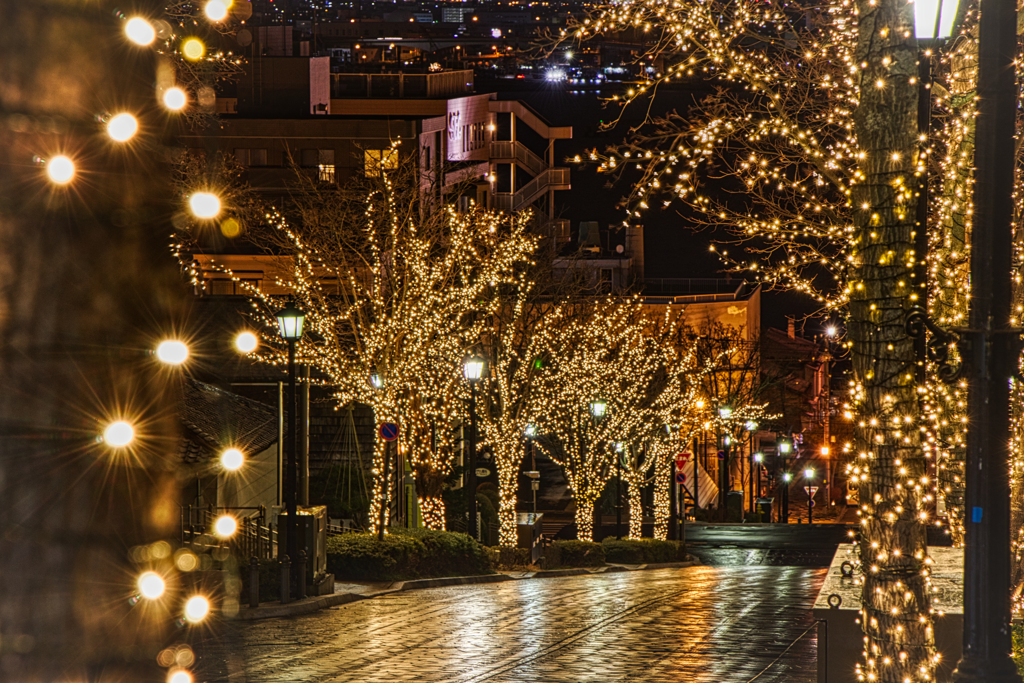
x: 213, y: 419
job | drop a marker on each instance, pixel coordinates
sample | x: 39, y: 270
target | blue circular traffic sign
x: 388, y: 431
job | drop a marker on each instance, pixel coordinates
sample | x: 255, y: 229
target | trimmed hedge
x: 576, y: 554
x: 405, y: 554
x: 643, y: 551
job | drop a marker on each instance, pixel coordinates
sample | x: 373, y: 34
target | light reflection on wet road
x: 693, y: 625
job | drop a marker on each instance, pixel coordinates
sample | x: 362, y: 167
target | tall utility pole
x: 991, y: 353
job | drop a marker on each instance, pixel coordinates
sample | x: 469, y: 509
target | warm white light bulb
x: 175, y: 99
x: 225, y: 526
x: 232, y: 459
x: 140, y: 31
x: 118, y: 434
x: 216, y: 10
x: 151, y: 585
x: 204, y: 205
x: 197, y: 608
x: 246, y: 342
x: 122, y: 127
x: 60, y: 169
x: 172, y: 352
x: 179, y: 676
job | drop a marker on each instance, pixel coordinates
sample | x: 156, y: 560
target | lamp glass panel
x: 473, y: 368
x: 947, y: 17
x: 289, y: 322
x: 926, y: 14
x: 598, y: 408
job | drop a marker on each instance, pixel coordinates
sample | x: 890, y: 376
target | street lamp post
x: 724, y: 413
x: 618, y: 489
x: 290, y: 321
x: 473, y: 370
x: 377, y: 383
x: 598, y: 409
x: 751, y: 428
x: 809, y: 478
x: 784, y: 447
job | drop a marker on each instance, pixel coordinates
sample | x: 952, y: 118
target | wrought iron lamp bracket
x: 938, y: 345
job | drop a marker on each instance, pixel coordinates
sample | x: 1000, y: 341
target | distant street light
x: 598, y: 407
x: 290, y: 321
x: 809, y: 477
x: 473, y: 370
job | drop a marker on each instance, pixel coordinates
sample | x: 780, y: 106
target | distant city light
x: 122, y: 127
x: 118, y: 434
x: 172, y: 352
x: 175, y: 99
x: 554, y: 75
x: 140, y: 31
x: 60, y: 169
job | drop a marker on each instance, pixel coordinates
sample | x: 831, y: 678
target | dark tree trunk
x: 896, y: 606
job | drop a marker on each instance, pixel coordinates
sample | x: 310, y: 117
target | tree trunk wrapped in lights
x: 392, y: 288
x: 896, y: 613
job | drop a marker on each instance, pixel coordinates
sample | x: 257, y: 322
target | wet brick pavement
x: 692, y: 625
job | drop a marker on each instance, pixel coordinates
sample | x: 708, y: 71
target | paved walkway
x: 692, y: 625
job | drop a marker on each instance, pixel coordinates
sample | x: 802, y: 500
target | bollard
x: 286, y: 565
x: 300, y: 576
x: 254, y: 582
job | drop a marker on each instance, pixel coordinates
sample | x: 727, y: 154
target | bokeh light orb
x: 179, y: 676
x: 216, y: 10
x: 139, y: 31
x: 232, y: 459
x: 196, y: 609
x: 246, y: 342
x: 172, y: 352
x: 225, y: 526
x: 60, y: 169
x: 175, y: 99
x: 151, y: 585
x: 204, y: 205
x: 122, y: 127
x: 118, y: 434
x: 193, y: 49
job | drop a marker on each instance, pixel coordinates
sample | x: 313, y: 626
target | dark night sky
x: 671, y: 249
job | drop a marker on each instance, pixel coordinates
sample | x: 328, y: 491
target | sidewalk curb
x: 308, y: 605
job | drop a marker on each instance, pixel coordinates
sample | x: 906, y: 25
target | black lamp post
x: 473, y: 370
x: 290, y: 321
x: 598, y: 409
x: 619, y: 455
x: 784, y: 448
x: 377, y: 383
x: 725, y: 444
x: 991, y: 355
x: 751, y: 428
x: 809, y: 478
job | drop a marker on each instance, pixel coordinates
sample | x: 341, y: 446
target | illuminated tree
x: 808, y: 155
x: 395, y: 293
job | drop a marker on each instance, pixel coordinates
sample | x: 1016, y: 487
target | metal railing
x: 531, y: 191
x: 515, y: 150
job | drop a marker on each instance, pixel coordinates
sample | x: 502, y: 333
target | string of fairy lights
x: 186, y: 69
x: 781, y: 136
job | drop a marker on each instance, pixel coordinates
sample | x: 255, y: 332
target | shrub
x: 405, y: 554
x: 643, y: 551
x: 578, y: 553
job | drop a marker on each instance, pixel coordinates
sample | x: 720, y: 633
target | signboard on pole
x: 388, y: 431
x: 811, y: 490
x: 680, y: 477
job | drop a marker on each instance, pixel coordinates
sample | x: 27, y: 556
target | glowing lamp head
x: 785, y: 446
x: 376, y: 381
x: 598, y: 408
x: 122, y: 127
x: 246, y: 342
x: 758, y: 457
x: 225, y: 526
x: 934, y: 19
x: 139, y: 31
x: 824, y: 450
x: 232, y: 459
x: 473, y: 368
x: 118, y: 434
x: 60, y: 170
x: 809, y: 473
x: 751, y: 425
x: 530, y: 431
x: 196, y: 609
x: 151, y: 585
x: 175, y: 99
x: 830, y: 331
x: 216, y: 10
x: 725, y: 412
x: 172, y: 352
x: 787, y: 477
x: 290, y: 321
x: 699, y: 403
